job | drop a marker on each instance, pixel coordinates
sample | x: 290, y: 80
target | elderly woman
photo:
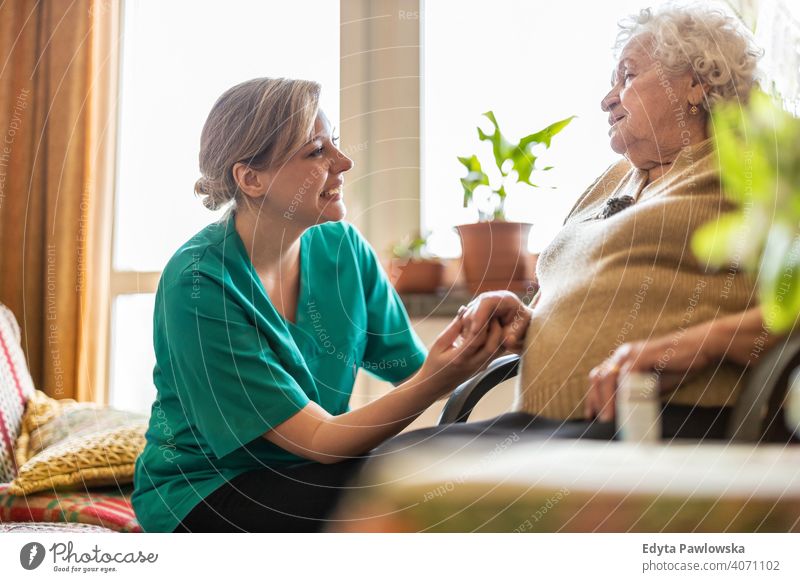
x: 631, y: 272
x: 621, y: 269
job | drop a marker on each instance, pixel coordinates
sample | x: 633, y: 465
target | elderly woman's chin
x: 617, y: 139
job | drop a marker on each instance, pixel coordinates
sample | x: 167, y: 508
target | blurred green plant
x: 516, y: 163
x: 411, y: 247
x: 759, y: 155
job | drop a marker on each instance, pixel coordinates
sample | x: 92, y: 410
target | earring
x: 693, y: 110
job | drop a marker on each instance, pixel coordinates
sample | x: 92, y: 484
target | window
x: 177, y: 58
x: 778, y: 33
x: 532, y: 64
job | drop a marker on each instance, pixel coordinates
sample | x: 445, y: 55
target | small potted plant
x: 495, y: 251
x: 413, y: 269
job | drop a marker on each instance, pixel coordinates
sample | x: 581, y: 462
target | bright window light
x: 178, y: 57
x: 532, y: 63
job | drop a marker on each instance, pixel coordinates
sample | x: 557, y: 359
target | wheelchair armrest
x: 758, y: 412
x: 464, y: 398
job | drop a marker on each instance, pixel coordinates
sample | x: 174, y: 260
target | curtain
x: 57, y: 95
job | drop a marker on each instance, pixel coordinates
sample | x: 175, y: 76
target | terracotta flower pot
x: 495, y: 256
x: 416, y: 275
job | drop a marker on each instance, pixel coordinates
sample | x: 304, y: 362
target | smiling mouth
x: 613, y: 121
x: 332, y: 195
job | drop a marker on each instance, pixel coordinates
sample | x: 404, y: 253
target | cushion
x: 67, y: 444
x: 109, y: 507
x: 48, y: 421
x: 16, y: 387
x: 70, y: 528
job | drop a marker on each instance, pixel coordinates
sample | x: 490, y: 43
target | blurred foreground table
x: 512, y: 485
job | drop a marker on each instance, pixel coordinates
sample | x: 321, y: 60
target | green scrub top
x: 229, y: 367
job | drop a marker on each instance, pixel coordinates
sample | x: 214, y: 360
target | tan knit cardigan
x: 632, y: 276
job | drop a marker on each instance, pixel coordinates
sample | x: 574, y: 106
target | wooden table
x: 505, y: 485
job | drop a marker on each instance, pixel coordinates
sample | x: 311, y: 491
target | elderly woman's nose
x: 609, y: 100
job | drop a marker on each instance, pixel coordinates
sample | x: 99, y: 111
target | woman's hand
x: 738, y: 337
x: 455, y: 356
x: 503, y: 307
x: 671, y: 357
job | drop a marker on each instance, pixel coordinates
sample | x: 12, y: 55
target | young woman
x: 261, y: 323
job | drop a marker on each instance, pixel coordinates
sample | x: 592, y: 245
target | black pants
x: 290, y: 499
x: 301, y: 498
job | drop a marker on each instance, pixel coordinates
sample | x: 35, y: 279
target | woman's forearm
x: 360, y: 430
x: 315, y: 434
x: 742, y: 337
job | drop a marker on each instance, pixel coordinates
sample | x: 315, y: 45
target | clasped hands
x: 502, y: 310
x: 490, y: 324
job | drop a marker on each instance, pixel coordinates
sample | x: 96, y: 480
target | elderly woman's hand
x: 501, y: 306
x: 671, y: 357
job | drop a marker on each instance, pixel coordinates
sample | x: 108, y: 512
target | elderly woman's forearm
x: 742, y: 337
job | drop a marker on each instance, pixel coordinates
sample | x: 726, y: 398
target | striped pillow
x: 16, y: 387
x: 109, y: 507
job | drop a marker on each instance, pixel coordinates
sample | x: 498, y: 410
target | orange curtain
x: 57, y: 89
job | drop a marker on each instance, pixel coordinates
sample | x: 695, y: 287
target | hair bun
x: 200, y: 187
x: 210, y: 198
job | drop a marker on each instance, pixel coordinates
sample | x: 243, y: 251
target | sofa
x: 55, y: 488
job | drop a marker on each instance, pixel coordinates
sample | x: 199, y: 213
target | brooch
x: 614, y: 205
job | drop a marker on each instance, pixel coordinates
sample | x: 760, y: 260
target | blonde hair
x: 703, y: 38
x: 261, y: 123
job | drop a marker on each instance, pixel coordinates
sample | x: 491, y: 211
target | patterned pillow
x: 109, y: 508
x: 48, y: 421
x: 16, y: 387
x: 71, y: 528
x: 67, y: 444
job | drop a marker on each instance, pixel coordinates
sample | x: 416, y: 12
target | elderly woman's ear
x: 697, y: 93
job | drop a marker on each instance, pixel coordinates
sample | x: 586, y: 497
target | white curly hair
x: 700, y: 37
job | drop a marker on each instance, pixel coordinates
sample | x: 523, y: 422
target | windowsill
x: 443, y: 303
x: 452, y: 294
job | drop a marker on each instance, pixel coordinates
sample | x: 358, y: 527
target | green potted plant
x: 759, y: 158
x: 412, y: 269
x: 495, y: 251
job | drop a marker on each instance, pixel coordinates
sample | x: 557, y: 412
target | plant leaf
x: 475, y: 177
x: 524, y: 163
x: 744, y: 165
x: 718, y: 242
x: 501, y: 147
x: 779, y: 280
x: 545, y: 136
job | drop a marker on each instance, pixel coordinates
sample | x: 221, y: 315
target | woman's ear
x: 251, y: 182
x: 697, y: 92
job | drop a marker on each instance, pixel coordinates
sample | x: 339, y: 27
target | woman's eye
x: 628, y: 77
x: 317, y: 152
